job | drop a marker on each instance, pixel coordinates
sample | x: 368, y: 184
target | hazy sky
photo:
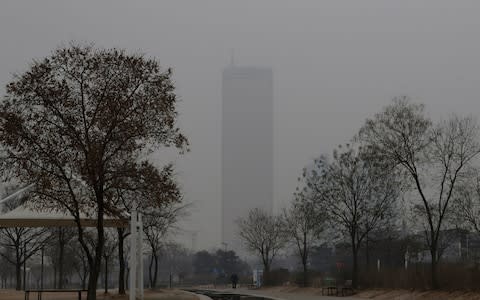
x: 335, y: 63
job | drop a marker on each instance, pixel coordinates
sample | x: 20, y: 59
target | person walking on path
x: 234, y: 279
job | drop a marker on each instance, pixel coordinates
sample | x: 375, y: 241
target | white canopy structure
x: 24, y: 216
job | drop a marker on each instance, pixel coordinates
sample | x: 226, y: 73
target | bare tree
x: 23, y: 243
x: 6, y: 271
x: 59, y: 239
x: 264, y: 235
x: 304, y: 223
x: 156, y: 225
x: 122, y: 234
x: 177, y: 259
x: 466, y: 205
x: 161, y: 208
x: 433, y: 157
x: 108, y: 253
x: 80, y: 263
x: 77, y: 125
x: 357, y: 193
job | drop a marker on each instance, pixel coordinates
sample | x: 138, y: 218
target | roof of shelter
x: 24, y: 216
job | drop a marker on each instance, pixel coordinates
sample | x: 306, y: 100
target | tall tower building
x: 247, y: 146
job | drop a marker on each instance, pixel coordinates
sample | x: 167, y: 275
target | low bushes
x: 452, y: 276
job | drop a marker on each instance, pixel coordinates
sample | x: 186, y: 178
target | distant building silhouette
x: 247, y: 146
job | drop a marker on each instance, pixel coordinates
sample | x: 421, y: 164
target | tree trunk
x: 355, y: 269
x: 367, y: 254
x: 18, y: 271
x: 266, y: 274
x: 128, y: 276
x: 85, y: 273
x: 95, y: 263
x: 150, y: 275
x: 54, y: 276
x: 433, y: 265
x: 106, y: 274
x: 305, y: 260
x: 155, y: 271
x: 61, y: 241
x: 355, y: 260
x: 24, y: 265
x: 121, y: 260
x: 305, y: 274
x: 94, y: 267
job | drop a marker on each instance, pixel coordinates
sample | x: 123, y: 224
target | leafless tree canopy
x: 304, y: 223
x: 157, y: 224
x: 20, y: 243
x: 357, y: 193
x: 466, y: 204
x: 434, y: 158
x: 262, y: 234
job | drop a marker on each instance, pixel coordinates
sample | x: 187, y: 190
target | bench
x: 251, y: 286
x: 40, y: 291
x: 330, y: 286
x: 347, y: 286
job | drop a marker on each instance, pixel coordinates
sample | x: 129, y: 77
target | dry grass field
x: 298, y: 293
x: 424, y: 295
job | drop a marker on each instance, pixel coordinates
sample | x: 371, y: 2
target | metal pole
x: 133, y: 254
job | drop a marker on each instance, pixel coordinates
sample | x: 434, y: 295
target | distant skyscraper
x: 247, y: 146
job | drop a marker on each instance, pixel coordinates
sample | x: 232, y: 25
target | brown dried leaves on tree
x: 78, y: 123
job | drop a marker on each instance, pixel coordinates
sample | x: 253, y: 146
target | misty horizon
x: 334, y: 65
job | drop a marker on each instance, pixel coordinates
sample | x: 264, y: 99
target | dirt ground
x: 424, y: 295
x: 296, y: 292
x: 162, y: 294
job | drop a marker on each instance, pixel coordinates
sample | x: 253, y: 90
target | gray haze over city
x: 334, y: 64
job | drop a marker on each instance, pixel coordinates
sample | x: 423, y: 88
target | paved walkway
x: 160, y: 294
x: 280, y: 294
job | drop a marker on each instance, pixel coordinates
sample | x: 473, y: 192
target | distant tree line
x: 400, y: 161
x: 220, y: 264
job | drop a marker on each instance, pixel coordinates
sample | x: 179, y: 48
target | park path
x: 282, y: 294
